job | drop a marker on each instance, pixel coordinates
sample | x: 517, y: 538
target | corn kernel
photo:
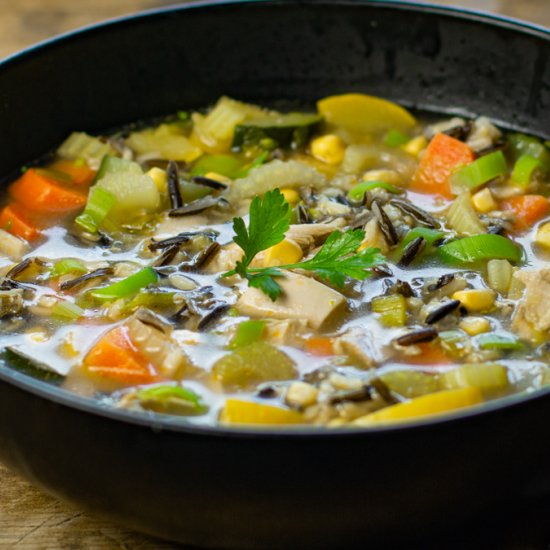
x: 286, y: 252
x: 543, y: 235
x: 218, y: 177
x: 476, y: 299
x: 389, y: 176
x: 415, y: 145
x: 159, y: 177
x: 329, y: 149
x: 475, y: 325
x: 291, y: 195
x: 483, y: 201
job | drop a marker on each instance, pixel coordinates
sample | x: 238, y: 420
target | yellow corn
x: 415, y: 145
x: 483, y: 201
x: 286, y: 252
x: 543, y: 235
x: 477, y: 299
x: 434, y: 403
x: 291, y: 195
x: 329, y: 148
x: 217, y: 177
x: 389, y: 176
x: 475, y: 325
x: 159, y: 177
x: 237, y: 411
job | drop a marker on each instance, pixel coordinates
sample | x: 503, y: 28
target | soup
x: 345, y: 267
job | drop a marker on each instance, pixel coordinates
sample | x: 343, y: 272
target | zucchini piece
x: 290, y: 130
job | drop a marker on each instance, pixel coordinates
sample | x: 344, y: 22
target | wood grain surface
x: 30, y: 519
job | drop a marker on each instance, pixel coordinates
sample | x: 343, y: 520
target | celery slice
x: 481, y: 247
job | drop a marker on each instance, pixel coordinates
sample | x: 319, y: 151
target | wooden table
x: 30, y: 519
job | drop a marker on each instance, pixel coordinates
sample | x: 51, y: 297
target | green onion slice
x: 500, y: 342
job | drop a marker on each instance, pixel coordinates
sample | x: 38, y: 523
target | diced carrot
x: 13, y: 220
x: 116, y: 358
x: 319, y: 346
x: 41, y: 194
x: 528, y: 209
x: 79, y: 171
x: 442, y: 157
x: 430, y: 355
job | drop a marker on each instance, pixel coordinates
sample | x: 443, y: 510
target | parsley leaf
x: 269, y: 221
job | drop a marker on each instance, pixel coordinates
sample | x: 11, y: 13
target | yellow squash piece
x: 237, y: 411
x: 364, y: 113
x: 427, y: 405
x: 485, y: 376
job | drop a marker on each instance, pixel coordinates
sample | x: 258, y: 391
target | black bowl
x: 244, y: 488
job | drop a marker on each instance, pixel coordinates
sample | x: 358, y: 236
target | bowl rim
x: 160, y: 423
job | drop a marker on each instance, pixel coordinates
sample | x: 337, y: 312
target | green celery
x: 66, y: 266
x: 395, y: 138
x: 481, y: 171
x: 524, y: 169
x: 481, y: 247
x: 358, y: 192
x: 127, y: 287
x: 171, y: 400
x: 392, y: 309
x: 100, y: 203
x: 500, y: 342
x: 66, y: 311
x: 248, y: 332
x: 226, y: 165
x: 521, y: 144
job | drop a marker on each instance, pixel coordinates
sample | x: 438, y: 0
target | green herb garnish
x: 269, y: 221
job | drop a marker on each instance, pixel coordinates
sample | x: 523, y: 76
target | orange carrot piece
x: 442, y: 157
x: 116, y: 358
x: 79, y: 172
x: 528, y: 209
x: 319, y: 346
x: 39, y: 193
x: 430, y: 355
x: 13, y: 220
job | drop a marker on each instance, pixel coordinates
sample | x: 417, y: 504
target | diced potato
x: 253, y: 364
x: 427, y: 405
x: 483, y: 201
x: 476, y: 299
x: 475, y: 325
x: 329, y: 148
x: 237, y: 411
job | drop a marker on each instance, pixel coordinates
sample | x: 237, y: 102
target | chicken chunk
x: 302, y: 298
x: 533, y: 311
